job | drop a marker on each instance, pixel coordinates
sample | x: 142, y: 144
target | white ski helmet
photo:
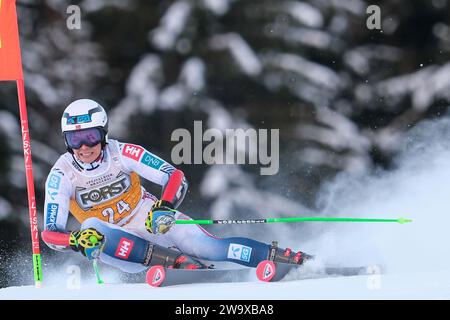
x: 84, y: 114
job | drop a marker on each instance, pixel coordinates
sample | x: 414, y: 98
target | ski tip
x: 265, y: 270
x: 155, y: 276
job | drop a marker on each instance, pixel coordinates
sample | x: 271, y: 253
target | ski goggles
x: 89, y: 137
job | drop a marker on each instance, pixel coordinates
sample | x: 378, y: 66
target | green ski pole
x: 97, y: 272
x: 297, y: 219
x: 94, y: 240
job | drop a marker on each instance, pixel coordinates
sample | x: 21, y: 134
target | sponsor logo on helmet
x: 95, y: 195
x: 80, y: 119
x: 84, y: 118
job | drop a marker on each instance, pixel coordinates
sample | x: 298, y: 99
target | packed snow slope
x: 393, y: 286
x: 414, y: 257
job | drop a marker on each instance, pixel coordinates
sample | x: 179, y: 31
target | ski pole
x: 94, y: 240
x: 97, y: 272
x: 298, y: 219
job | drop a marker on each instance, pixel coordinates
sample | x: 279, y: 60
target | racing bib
x: 110, y: 202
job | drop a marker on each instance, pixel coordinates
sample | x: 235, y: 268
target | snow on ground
x: 392, y: 286
x: 414, y: 257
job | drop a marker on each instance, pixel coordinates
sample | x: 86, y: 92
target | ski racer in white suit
x: 98, y: 181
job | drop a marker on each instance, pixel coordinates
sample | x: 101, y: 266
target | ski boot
x: 170, y: 258
x: 287, y: 255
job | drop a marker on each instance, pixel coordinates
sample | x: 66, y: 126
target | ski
x: 266, y: 271
x: 269, y: 271
x: 158, y: 276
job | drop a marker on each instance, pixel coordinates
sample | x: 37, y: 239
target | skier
x: 98, y: 181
